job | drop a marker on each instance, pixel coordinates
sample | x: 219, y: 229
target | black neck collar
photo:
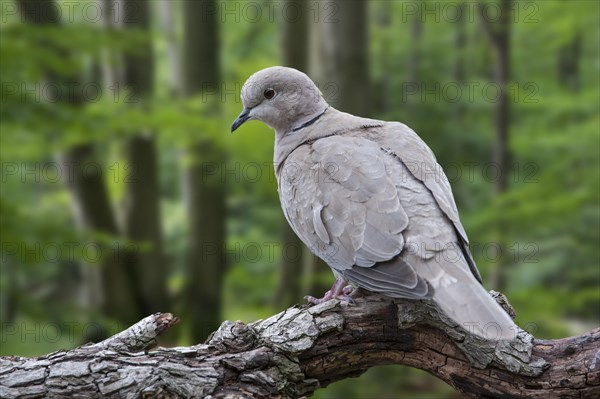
x: 310, y: 122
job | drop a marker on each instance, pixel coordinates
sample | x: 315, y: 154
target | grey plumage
x: 370, y: 199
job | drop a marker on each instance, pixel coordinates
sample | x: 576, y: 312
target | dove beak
x: 243, y: 117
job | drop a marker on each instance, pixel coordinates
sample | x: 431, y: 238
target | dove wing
x: 436, y: 244
x: 403, y: 143
x: 337, y: 196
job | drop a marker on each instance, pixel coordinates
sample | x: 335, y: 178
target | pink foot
x: 339, y: 290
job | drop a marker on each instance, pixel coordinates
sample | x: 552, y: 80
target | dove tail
x: 480, y: 314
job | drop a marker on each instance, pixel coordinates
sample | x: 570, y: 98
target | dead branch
x: 305, y: 348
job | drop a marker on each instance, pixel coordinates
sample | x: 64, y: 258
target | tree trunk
x: 414, y: 82
x: 568, y: 63
x: 205, y: 203
x: 346, y: 56
x: 459, y: 66
x: 205, y: 194
x: 293, y: 353
x: 414, y: 60
x: 108, y: 284
x: 294, y: 16
x: 168, y: 21
x: 110, y: 59
x: 380, y: 103
x: 498, y: 35
x: 289, y: 287
x: 143, y: 227
x: 142, y: 207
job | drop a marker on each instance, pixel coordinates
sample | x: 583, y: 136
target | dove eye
x: 269, y: 94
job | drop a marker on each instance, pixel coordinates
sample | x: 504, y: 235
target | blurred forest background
x: 123, y: 192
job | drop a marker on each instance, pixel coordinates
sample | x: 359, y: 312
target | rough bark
x: 205, y: 193
x: 305, y: 348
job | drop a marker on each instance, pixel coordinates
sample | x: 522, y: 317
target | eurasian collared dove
x: 369, y: 198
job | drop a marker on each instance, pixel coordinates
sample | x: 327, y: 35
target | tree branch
x: 304, y: 348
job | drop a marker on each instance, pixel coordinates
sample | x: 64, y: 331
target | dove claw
x: 348, y: 299
x: 339, y: 290
x: 342, y: 297
x: 348, y: 290
x: 315, y: 301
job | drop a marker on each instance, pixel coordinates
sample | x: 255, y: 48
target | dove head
x: 282, y: 98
